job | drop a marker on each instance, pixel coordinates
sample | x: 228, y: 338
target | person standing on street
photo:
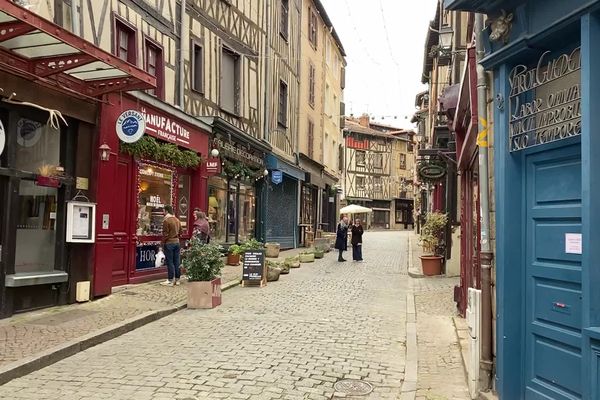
x: 357, y: 234
x: 201, y: 226
x: 341, y: 240
x: 171, y: 231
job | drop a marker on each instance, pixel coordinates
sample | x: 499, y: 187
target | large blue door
x: 553, y: 314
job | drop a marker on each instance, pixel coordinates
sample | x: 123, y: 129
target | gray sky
x: 383, y: 76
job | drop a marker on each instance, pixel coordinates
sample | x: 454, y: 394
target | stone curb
x: 413, y: 272
x: 409, y: 385
x: 50, y: 356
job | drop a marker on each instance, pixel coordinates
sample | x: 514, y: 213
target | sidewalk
x: 32, y: 340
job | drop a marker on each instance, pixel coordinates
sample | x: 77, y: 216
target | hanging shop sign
x: 545, y: 101
x: 431, y: 171
x: 212, y: 166
x: 130, y: 126
x: 276, y: 177
x: 2, y: 138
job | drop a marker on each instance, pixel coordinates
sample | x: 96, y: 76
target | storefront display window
x: 247, y: 212
x: 36, y: 228
x: 155, y: 191
x: 183, y: 201
x: 217, y: 208
x: 38, y: 145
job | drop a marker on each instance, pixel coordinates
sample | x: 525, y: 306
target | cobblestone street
x: 293, y: 339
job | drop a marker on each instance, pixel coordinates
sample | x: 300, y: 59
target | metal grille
x: 282, y: 206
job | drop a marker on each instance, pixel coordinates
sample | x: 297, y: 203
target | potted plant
x: 203, y: 263
x: 307, y: 257
x: 293, y: 262
x: 319, y: 253
x: 249, y: 245
x: 273, y: 271
x: 233, y: 255
x: 49, y: 175
x: 431, y: 237
x: 285, y: 267
x: 272, y: 250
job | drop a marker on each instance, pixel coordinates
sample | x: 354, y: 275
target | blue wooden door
x: 553, y: 275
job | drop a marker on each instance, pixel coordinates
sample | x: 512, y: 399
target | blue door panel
x: 553, y: 304
x: 548, y: 355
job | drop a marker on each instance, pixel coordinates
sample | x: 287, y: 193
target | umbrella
x: 355, y: 209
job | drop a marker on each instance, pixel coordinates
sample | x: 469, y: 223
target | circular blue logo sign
x: 130, y: 126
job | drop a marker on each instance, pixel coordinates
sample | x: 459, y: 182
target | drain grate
x: 353, y: 387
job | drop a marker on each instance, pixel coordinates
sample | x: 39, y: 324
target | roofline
x: 329, y: 24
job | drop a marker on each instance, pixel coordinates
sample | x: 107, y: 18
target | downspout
x: 486, y: 256
x: 268, y: 81
x: 184, y: 49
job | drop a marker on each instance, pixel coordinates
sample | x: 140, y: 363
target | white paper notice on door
x: 573, y: 243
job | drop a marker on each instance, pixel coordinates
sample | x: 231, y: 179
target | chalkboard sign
x: 253, y: 270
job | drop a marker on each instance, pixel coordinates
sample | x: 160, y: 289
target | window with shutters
x: 378, y: 161
x: 311, y: 85
x: 154, y: 66
x: 125, y: 42
x: 283, y: 103
x: 197, y: 68
x: 284, y: 23
x: 230, y: 81
x: 361, y: 158
x: 311, y: 139
x: 402, y: 161
x: 312, y: 27
x: 360, y: 182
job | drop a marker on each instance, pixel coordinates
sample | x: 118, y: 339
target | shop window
x: 155, y: 186
x: 125, y: 47
x: 217, y: 208
x: 283, y: 104
x: 230, y: 81
x: 38, y: 146
x: 183, y: 201
x: 154, y: 66
x: 312, y: 27
x: 247, y: 212
x: 232, y: 212
x: 198, y: 69
x: 284, y: 15
x: 36, y: 228
x: 361, y: 158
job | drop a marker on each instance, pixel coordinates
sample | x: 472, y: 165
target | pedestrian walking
x: 341, y: 240
x: 201, y: 226
x: 357, y: 234
x: 172, y: 248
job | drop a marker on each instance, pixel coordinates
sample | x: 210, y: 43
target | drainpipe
x: 486, y: 256
x: 185, y: 49
x: 268, y: 81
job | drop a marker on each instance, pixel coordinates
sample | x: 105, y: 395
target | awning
x: 39, y: 50
x: 274, y: 163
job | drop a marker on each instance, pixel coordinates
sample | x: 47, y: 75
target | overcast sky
x: 383, y: 76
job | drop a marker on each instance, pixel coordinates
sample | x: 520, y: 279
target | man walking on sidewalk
x: 171, y: 231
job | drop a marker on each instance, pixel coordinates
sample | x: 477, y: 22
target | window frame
x: 364, y: 158
x: 311, y: 139
x: 151, y: 45
x: 402, y: 161
x: 120, y: 25
x: 313, y: 22
x: 284, y: 23
x: 282, y: 105
x: 363, y: 179
x: 194, y: 78
x: 237, y: 81
x: 312, y: 73
x: 378, y: 160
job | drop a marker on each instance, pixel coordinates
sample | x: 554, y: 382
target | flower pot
x: 307, y: 258
x: 273, y: 274
x: 432, y: 265
x: 205, y: 294
x: 233, y: 259
x: 272, y: 250
x: 293, y: 262
x: 47, y: 181
x: 319, y: 254
x: 285, y: 268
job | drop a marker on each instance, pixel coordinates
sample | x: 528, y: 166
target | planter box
x: 47, y: 181
x: 293, y: 262
x: 273, y: 274
x: 307, y: 258
x: 323, y: 244
x: 319, y: 254
x: 204, y: 294
x: 272, y: 250
x: 233, y: 259
x: 285, y: 268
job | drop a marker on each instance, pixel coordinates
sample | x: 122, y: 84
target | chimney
x: 363, y: 120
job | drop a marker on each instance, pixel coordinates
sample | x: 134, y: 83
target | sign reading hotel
x: 545, y: 101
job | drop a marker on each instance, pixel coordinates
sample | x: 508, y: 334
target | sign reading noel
x: 545, y: 101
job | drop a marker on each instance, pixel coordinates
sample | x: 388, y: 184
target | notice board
x: 254, y: 271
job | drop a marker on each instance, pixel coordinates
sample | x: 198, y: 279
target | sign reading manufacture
x: 545, y: 101
x: 130, y: 126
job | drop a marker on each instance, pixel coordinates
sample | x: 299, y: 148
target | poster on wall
x: 81, y: 222
x: 2, y: 138
x: 130, y: 126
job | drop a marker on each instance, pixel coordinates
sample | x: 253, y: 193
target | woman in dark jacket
x: 341, y: 240
x: 357, y: 233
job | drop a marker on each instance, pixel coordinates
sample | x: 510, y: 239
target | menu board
x: 253, y: 270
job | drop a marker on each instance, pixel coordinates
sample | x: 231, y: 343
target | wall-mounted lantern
x: 104, y: 152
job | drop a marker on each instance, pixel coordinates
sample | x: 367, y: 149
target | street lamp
x: 214, y: 153
x: 104, y: 152
x: 445, y: 38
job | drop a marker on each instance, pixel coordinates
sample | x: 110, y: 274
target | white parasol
x: 355, y: 209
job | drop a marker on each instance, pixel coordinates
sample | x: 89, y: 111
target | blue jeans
x: 357, y: 253
x: 173, y: 260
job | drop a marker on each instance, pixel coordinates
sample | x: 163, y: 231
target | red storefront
x: 465, y: 127
x: 132, y: 191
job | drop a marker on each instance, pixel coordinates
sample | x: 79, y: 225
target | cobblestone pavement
x: 29, y: 333
x: 292, y: 339
x: 441, y: 373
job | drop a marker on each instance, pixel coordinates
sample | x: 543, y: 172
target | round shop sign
x: 2, y: 138
x: 431, y: 171
x: 131, y: 126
